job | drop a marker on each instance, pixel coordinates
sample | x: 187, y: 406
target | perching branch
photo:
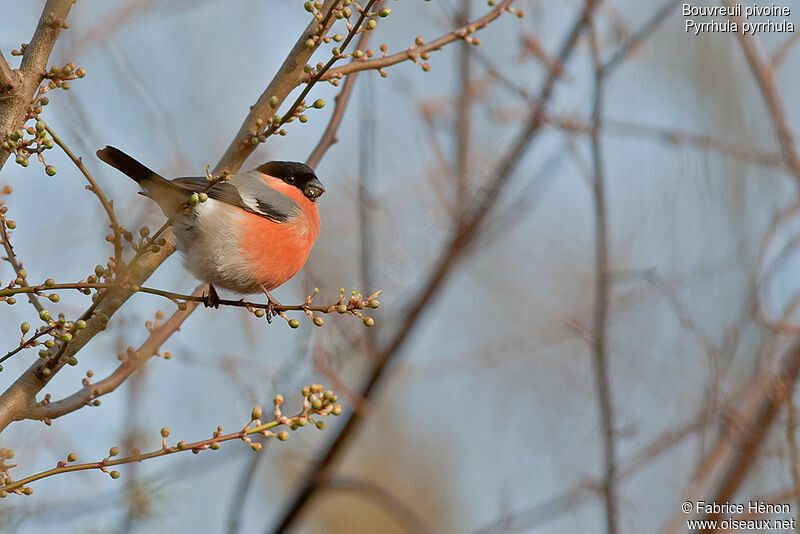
x: 130, y: 363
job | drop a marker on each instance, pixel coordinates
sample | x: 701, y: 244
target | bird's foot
x: 271, y: 304
x: 211, y: 300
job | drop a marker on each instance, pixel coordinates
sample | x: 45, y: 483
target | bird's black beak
x: 313, y: 189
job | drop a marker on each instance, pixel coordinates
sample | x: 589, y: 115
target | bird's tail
x: 169, y: 196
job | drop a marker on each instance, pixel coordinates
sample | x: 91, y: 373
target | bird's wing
x: 248, y: 192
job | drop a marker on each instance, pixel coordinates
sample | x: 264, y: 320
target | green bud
x: 49, y: 343
x: 113, y: 451
x: 318, y: 321
x: 114, y: 474
x: 73, y: 361
x: 256, y: 413
x: 368, y: 321
x: 49, y: 282
x: 320, y: 425
x: 80, y: 324
x: 371, y: 24
x: 42, y: 353
x: 72, y: 457
x: 194, y: 199
x: 383, y: 13
x: 337, y: 409
x: 165, y: 432
x: 44, y: 315
x: 54, y: 298
x: 25, y: 327
x: 39, y: 126
x: 310, y: 43
x: 294, y: 323
x: 66, y: 337
x: 309, y: 6
x: 202, y: 197
x: 283, y: 436
x: 273, y: 101
x: 259, y: 313
x: 319, y: 103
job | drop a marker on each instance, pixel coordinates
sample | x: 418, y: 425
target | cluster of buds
x: 33, y: 139
x: 27, y: 141
x: 273, y: 124
x: 357, y: 302
x: 5, y: 477
x: 316, y: 402
x: 60, y: 332
x: 142, y: 243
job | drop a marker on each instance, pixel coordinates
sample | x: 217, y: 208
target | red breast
x: 277, y: 251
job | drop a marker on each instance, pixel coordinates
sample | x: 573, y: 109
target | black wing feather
x: 225, y: 192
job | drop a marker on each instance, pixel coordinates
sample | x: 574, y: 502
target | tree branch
x: 329, y: 136
x: 289, y: 76
x: 600, y: 311
x: 414, y: 52
x: 463, y: 235
x: 765, y: 77
x: 33, y: 66
x: 131, y: 363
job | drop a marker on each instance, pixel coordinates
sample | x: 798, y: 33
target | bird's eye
x: 290, y: 180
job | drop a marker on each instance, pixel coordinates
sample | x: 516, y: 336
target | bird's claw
x: 211, y: 300
x: 271, y: 305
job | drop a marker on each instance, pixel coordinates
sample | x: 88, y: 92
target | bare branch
x: 439, y: 273
x: 289, y: 76
x: 94, y: 187
x: 600, y: 311
x: 725, y: 465
x: 414, y: 52
x: 131, y: 363
x: 765, y: 76
x: 21, y: 395
x: 329, y: 136
x: 33, y: 65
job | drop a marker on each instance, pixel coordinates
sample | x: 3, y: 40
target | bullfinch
x: 253, y: 233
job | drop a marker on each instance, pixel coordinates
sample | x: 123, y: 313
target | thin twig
x: 765, y: 76
x: 329, y: 137
x: 128, y: 366
x: 413, y: 52
x: 289, y: 76
x: 601, y: 298
x: 94, y: 188
x: 439, y: 273
x: 11, y: 258
x: 463, y: 115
